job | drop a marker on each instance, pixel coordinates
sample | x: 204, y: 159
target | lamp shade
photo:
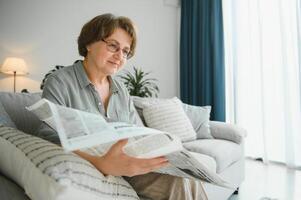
x: 13, y: 65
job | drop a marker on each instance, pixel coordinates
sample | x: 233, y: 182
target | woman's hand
x: 115, y: 162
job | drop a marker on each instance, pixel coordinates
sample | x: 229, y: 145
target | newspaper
x: 92, y: 133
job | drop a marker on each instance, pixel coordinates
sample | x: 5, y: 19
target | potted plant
x: 138, y: 85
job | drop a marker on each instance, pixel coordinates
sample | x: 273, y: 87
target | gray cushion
x: 15, y: 103
x: 224, y: 152
x: 4, y: 117
x: 10, y: 190
x: 199, y: 117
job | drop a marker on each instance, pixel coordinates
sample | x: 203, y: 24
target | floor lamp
x: 14, y: 66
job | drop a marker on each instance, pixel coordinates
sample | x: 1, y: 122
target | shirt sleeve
x: 55, y: 92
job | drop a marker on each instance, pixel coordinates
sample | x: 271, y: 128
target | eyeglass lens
x: 114, y: 47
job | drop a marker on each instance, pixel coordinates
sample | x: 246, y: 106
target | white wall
x: 44, y: 33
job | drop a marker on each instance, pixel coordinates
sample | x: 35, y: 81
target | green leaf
x: 138, y: 85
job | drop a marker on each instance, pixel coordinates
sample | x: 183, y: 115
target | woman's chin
x: 112, y: 71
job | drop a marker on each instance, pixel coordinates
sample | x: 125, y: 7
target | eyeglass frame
x: 125, y: 56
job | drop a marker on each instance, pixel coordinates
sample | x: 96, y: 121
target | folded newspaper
x: 92, y: 133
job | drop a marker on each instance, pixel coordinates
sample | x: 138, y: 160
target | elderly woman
x: 106, y: 42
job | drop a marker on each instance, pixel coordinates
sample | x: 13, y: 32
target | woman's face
x: 102, y: 57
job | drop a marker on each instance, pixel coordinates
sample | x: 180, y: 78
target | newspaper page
x: 184, y: 164
x: 90, y: 132
x: 78, y: 129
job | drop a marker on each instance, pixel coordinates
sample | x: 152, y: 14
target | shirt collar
x: 84, y: 80
x: 81, y: 74
x: 113, y: 85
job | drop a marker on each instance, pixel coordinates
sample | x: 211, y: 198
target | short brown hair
x: 101, y: 27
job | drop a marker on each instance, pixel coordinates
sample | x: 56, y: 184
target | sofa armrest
x: 227, y: 131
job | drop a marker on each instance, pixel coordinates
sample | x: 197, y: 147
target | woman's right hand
x: 115, y: 162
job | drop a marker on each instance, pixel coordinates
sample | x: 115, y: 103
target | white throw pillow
x: 199, y: 116
x: 46, y: 172
x: 168, y: 115
x: 141, y: 102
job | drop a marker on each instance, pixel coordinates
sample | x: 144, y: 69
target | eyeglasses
x: 114, y: 47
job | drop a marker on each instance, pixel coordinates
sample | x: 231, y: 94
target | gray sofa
x: 226, y: 146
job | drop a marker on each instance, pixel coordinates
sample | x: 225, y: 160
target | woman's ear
x: 88, y: 47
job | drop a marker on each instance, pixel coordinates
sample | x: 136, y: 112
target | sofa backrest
x: 14, y: 105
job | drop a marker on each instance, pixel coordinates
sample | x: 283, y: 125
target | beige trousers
x: 157, y: 186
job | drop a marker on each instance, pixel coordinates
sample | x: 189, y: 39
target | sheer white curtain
x: 263, y: 61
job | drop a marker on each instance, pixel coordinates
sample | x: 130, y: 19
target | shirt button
x: 99, y: 103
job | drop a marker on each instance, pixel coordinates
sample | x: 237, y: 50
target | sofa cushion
x: 10, y: 190
x: 224, y: 152
x: 14, y: 104
x: 46, y: 171
x: 141, y: 102
x: 169, y: 116
x: 199, y: 117
x: 4, y: 117
x: 206, y: 160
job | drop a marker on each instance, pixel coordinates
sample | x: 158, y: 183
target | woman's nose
x: 119, y: 54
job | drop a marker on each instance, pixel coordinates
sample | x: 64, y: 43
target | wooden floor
x: 269, y: 182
